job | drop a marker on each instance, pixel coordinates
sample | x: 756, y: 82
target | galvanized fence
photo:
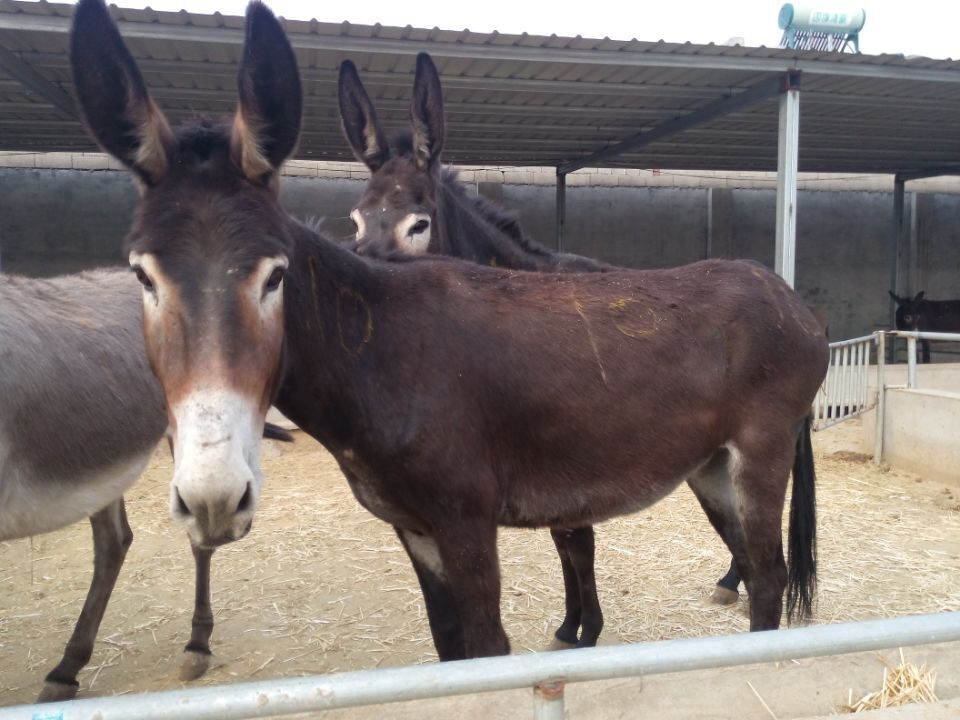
x: 844, y: 393
x: 546, y: 673
x: 912, y: 337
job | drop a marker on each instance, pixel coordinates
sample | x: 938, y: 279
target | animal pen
x: 727, y: 83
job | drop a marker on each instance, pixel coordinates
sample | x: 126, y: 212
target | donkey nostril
x: 182, y: 508
x: 246, y: 502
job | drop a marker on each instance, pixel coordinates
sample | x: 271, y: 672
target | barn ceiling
x: 519, y: 99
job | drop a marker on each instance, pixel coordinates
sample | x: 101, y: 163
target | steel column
x: 913, y: 255
x: 561, y: 209
x: 881, y: 397
x: 788, y: 152
x: 548, y: 701
x: 896, y: 243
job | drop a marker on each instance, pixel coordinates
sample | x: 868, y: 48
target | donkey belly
x: 30, y: 505
x: 583, y: 501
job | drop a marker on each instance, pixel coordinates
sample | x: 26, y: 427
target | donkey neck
x: 333, y: 300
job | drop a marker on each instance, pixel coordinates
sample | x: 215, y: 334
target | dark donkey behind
x: 81, y: 414
x: 927, y: 316
x: 413, y: 206
x: 454, y: 397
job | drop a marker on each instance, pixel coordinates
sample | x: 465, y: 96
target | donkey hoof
x: 558, y: 644
x: 724, y: 596
x: 194, y: 665
x: 57, y: 692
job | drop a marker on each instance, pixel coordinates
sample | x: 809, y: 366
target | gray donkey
x: 80, y: 415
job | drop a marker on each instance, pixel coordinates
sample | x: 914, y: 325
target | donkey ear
x: 359, y: 120
x: 426, y: 113
x: 896, y: 298
x: 267, y: 124
x: 919, y: 296
x: 113, y: 98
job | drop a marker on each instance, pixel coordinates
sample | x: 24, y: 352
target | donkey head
x: 209, y: 243
x: 397, y: 212
x: 909, y: 311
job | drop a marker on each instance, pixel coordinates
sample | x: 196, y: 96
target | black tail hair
x: 802, y: 540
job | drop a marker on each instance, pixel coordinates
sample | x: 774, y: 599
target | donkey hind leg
x: 566, y: 634
x: 111, y: 539
x: 197, y: 655
x: 742, y: 496
x: 727, y: 590
x: 468, y: 552
x: 576, y: 550
x: 445, y: 623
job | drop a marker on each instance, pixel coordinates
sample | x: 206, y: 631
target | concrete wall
x: 920, y: 433
x: 61, y: 220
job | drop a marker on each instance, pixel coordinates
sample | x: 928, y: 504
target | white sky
x: 911, y: 27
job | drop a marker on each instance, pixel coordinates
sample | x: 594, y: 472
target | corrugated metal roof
x: 514, y: 99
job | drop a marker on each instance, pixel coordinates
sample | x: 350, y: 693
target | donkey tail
x: 802, y: 540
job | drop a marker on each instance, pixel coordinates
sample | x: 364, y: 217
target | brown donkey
x: 456, y: 398
x: 412, y: 205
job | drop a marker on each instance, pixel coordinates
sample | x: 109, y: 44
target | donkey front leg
x: 111, y: 539
x: 196, y: 655
x: 468, y: 552
x: 445, y: 623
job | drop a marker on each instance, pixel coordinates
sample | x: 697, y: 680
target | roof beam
x: 36, y: 83
x: 778, y: 61
x: 908, y: 175
x: 708, y: 112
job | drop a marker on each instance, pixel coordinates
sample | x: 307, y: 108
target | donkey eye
x: 142, y: 277
x: 273, y: 282
x: 419, y: 227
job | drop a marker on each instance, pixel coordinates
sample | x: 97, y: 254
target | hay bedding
x: 320, y: 585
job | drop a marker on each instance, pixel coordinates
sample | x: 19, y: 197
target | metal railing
x: 844, y: 393
x: 912, y: 337
x: 546, y: 672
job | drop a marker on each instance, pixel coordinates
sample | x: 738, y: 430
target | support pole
x: 896, y: 244
x: 548, y: 701
x: 913, y: 255
x: 561, y: 209
x: 788, y: 152
x: 881, y: 397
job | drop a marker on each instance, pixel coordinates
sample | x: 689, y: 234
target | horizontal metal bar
x: 854, y: 341
x: 781, y: 62
x: 908, y: 175
x: 950, y: 337
x: 310, y: 694
x: 824, y: 423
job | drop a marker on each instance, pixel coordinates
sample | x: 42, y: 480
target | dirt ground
x: 320, y: 585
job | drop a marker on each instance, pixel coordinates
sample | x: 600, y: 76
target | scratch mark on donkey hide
x: 354, y: 301
x: 635, y: 330
x: 593, y: 342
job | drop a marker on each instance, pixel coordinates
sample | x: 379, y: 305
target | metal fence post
x: 911, y: 361
x: 881, y: 396
x: 548, y: 701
